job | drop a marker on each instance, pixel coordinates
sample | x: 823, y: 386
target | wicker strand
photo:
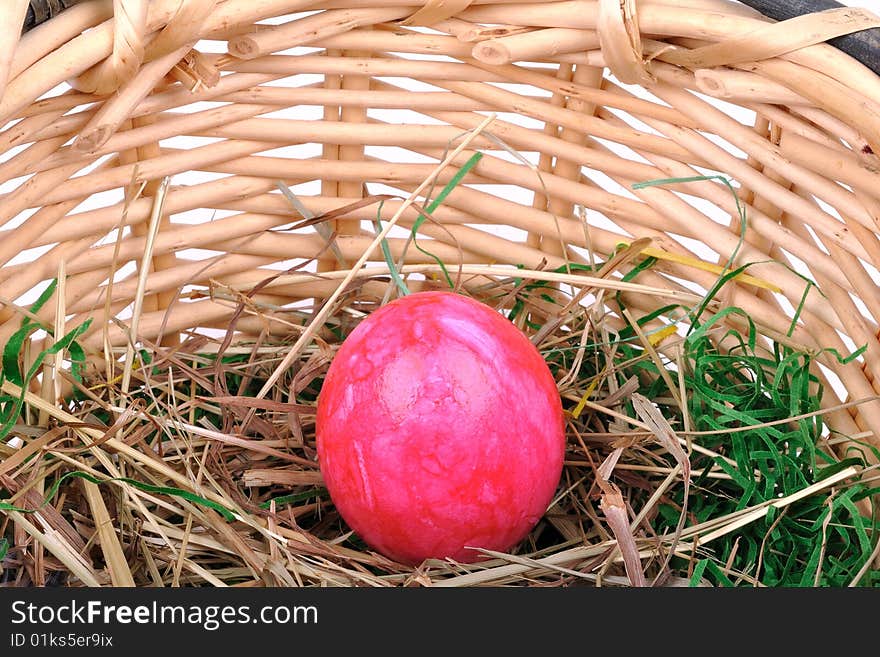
x: 129, y: 35
x: 12, y: 14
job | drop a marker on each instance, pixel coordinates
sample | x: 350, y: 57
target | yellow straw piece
x: 659, y: 336
x: 696, y: 263
x: 576, y: 412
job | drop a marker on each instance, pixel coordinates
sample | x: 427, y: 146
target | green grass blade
x: 147, y: 488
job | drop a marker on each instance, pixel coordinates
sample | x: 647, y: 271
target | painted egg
x: 439, y: 430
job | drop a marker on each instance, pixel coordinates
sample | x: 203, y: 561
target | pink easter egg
x: 439, y: 430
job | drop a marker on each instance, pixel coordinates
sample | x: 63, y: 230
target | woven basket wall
x: 588, y: 98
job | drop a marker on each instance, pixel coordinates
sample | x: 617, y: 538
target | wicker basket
x: 158, y: 212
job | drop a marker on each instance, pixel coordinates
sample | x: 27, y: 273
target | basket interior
x: 352, y: 104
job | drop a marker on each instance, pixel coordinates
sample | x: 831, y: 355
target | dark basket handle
x: 42, y: 10
x: 864, y: 45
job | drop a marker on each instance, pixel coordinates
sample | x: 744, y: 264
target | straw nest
x: 201, y: 199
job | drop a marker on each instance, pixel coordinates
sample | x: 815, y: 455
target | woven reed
x: 598, y: 94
